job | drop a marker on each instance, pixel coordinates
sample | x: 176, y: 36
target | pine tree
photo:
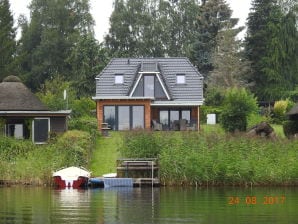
x: 230, y: 67
x: 214, y: 16
x: 7, y: 39
x: 271, y: 46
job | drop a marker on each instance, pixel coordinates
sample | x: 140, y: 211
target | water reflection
x: 145, y: 205
x: 131, y: 205
x: 70, y: 205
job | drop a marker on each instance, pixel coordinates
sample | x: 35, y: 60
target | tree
x: 7, y: 39
x: 271, y: 46
x: 152, y: 28
x: 51, y: 93
x: 238, y: 104
x: 87, y: 59
x: 49, y: 38
x: 230, y: 67
x: 214, y: 16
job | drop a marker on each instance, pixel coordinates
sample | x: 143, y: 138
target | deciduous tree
x: 49, y: 38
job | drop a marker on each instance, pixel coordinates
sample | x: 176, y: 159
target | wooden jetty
x: 131, y: 173
x: 144, y: 171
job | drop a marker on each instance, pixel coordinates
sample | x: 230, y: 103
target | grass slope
x: 105, y: 154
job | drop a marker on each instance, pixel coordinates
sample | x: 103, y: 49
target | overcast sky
x: 102, y: 9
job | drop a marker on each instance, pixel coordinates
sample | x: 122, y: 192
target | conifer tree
x: 7, y: 39
x: 271, y: 46
x: 214, y: 16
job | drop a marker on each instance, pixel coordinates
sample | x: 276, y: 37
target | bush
x: 76, y: 147
x: 82, y: 107
x: 204, y: 110
x: 88, y: 124
x: 279, y: 111
x: 237, y: 106
x: 290, y: 128
x: 214, y: 97
x: 255, y: 118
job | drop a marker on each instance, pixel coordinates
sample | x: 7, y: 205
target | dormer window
x: 180, y: 79
x: 119, y: 79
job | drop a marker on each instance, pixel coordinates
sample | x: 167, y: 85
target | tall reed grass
x: 21, y: 161
x: 191, y: 158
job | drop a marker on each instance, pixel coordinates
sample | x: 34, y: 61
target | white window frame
x: 119, y: 79
x: 180, y: 79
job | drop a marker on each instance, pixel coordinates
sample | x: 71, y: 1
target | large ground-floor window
x: 171, y: 118
x: 124, y: 117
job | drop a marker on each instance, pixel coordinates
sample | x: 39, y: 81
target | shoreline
x: 10, y: 183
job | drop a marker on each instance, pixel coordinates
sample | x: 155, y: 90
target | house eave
x: 120, y: 98
x: 35, y: 113
x: 176, y: 103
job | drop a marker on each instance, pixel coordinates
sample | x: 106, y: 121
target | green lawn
x: 105, y: 154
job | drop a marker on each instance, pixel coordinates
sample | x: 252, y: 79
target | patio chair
x: 183, y: 124
x: 156, y: 126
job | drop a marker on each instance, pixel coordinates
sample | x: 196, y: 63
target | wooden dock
x: 144, y: 171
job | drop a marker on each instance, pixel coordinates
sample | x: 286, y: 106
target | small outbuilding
x: 24, y: 116
x: 293, y: 113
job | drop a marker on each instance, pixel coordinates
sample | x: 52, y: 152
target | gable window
x: 119, y: 79
x: 180, y: 79
x: 150, y: 86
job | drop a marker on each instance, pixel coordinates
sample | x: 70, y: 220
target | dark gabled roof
x: 15, y: 96
x: 192, y: 90
x: 294, y: 110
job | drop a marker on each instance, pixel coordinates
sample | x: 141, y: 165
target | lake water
x: 147, y: 205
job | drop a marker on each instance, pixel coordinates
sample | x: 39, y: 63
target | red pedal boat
x: 71, y: 177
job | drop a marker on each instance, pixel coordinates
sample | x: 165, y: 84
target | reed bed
x: 191, y: 158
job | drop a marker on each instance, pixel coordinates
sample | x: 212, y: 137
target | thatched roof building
x: 24, y: 116
x: 15, y: 96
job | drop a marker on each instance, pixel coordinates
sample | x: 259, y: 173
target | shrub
x: 82, y: 107
x: 255, y: 118
x: 237, y: 106
x: 88, y: 124
x: 279, y: 111
x: 214, y: 97
x: 204, y: 110
x: 76, y: 147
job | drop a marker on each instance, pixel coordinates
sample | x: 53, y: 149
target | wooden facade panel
x: 58, y: 124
